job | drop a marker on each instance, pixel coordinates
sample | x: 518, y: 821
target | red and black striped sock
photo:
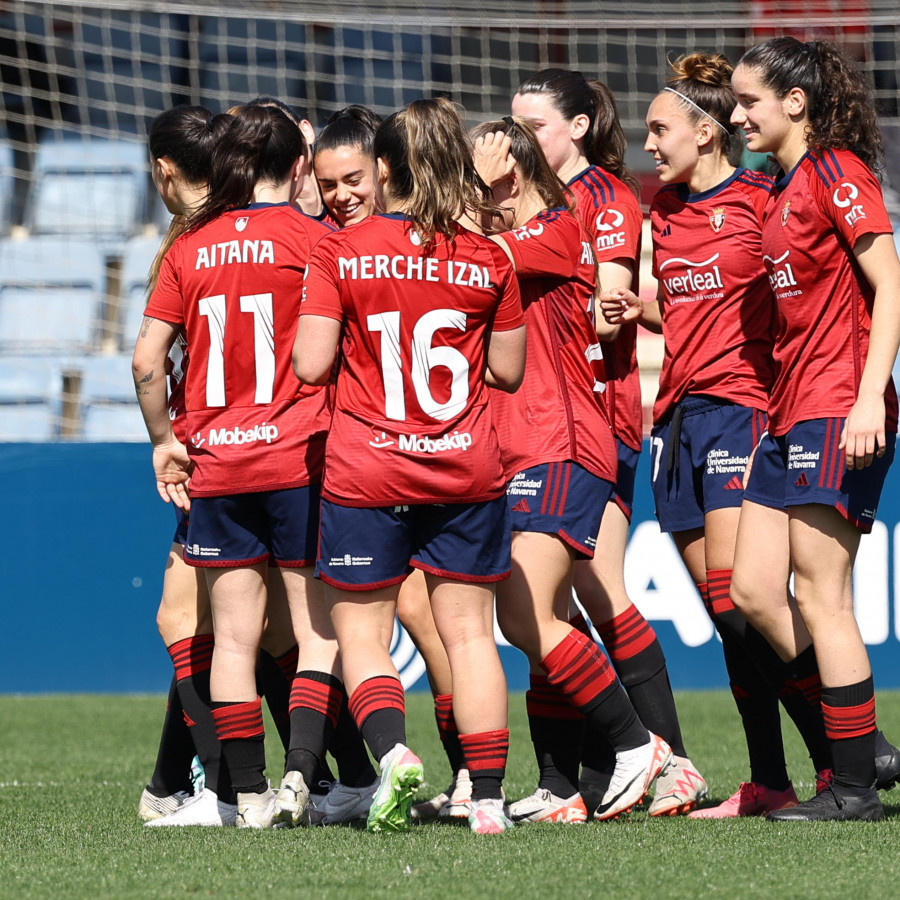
x: 447, y: 731
x: 379, y: 709
x: 801, y: 696
x: 849, y: 713
x: 192, y: 659
x: 349, y: 750
x: 584, y: 674
x: 314, y: 706
x: 176, y: 750
x: 635, y: 651
x: 557, y: 732
x: 485, y: 757
x: 240, y: 728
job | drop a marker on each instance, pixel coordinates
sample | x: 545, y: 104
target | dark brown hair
x: 839, y: 107
x: 573, y: 95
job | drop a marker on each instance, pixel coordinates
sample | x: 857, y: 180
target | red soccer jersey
x: 235, y: 286
x: 813, y: 219
x: 557, y: 413
x: 412, y: 423
x: 611, y: 215
x: 718, y: 308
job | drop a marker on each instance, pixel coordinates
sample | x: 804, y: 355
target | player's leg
x: 415, y: 615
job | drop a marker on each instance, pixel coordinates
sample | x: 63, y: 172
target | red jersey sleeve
x: 509, y: 314
x: 321, y: 296
x: 166, y: 301
x: 544, y: 249
x: 850, y: 196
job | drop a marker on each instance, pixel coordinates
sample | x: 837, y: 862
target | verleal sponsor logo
x: 697, y: 276
x: 781, y: 274
x: 412, y: 443
x: 237, y: 436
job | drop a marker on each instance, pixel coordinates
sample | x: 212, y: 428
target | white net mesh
x: 79, y: 220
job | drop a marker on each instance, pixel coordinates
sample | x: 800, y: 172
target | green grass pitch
x: 72, y: 769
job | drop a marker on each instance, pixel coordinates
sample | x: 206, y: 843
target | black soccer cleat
x: 833, y: 804
x: 887, y: 763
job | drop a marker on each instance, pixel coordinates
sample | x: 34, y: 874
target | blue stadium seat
x: 30, y: 398
x: 51, y: 295
x: 109, y: 408
x: 137, y: 256
x: 84, y: 186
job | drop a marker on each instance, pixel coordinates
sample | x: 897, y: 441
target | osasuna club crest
x: 785, y: 212
x: 241, y: 223
x: 717, y: 219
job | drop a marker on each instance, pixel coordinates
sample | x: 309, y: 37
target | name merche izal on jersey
x: 413, y: 268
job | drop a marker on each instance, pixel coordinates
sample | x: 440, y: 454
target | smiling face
x: 672, y: 139
x: 557, y: 135
x: 767, y: 120
x: 346, y: 179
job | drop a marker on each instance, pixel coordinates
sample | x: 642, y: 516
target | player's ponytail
x: 840, y: 112
x: 186, y: 135
x: 702, y: 82
x: 530, y: 160
x: 352, y: 126
x: 571, y: 94
x: 260, y: 144
x: 431, y: 174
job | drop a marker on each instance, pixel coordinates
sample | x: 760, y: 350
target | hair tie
x: 699, y: 109
x: 509, y: 121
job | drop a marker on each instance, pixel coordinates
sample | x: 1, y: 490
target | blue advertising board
x: 85, y: 537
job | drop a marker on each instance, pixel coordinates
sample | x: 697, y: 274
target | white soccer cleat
x: 459, y: 802
x: 152, y: 807
x: 544, y: 806
x: 292, y: 801
x: 488, y: 817
x: 342, y: 804
x: 635, y: 772
x: 256, y: 810
x: 678, y: 789
x: 204, y: 808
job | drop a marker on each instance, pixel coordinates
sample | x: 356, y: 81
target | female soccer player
x: 233, y: 282
x: 181, y: 143
x: 425, y: 313
x: 560, y: 461
x: 345, y: 166
x: 578, y: 129
x: 818, y: 472
x: 716, y: 314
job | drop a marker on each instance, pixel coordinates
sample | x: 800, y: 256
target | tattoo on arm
x: 145, y: 325
x: 140, y: 386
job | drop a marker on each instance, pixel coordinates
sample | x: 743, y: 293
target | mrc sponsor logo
x: 844, y: 195
x: 226, y: 437
x: 609, y: 230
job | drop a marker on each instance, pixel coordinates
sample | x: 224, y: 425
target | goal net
x: 79, y: 219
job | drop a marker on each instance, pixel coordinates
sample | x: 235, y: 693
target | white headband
x: 699, y: 109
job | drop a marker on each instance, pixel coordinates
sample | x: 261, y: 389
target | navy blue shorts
x: 560, y: 498
x: 806, y: 466
x: 181, y: 526
x: 626, y: 472
x: 246, y: 529
x: 698, y: 457
x: 362, y: 549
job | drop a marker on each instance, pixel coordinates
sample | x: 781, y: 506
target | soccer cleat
x: 887, y: 763
x: 198, y: 775
x: 750, y: 800
x: 635, y: 772
x: 678, y: 789
x: 256, y: 810
x: 460, y: 800
x: 342, y: 804
x: 152, y: 807
x: 544, y: 806
x: 292, y: 801
x: 488, y: 817
x: 204, y: 808
x: 833, y: 804
x: 401, y: 774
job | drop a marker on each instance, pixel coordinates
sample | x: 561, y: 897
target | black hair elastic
x: 509, y: 121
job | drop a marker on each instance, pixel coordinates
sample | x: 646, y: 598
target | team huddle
x: 389, y: 371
